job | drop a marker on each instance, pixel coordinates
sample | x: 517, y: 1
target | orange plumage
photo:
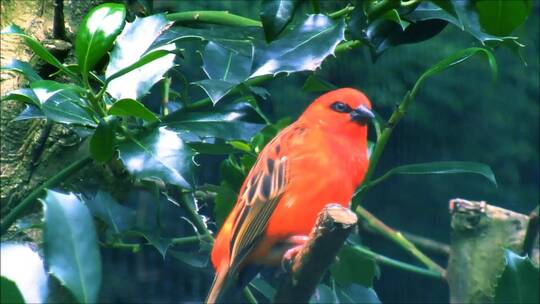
x: 319, y: 159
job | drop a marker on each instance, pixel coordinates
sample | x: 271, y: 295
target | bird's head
x: 342, y: 110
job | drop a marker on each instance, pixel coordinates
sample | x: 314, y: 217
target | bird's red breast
x: 319, y: 159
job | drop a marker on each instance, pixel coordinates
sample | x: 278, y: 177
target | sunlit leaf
x: 43, y: 89
x: 353, y: 267
x: 71, y: 245
x: 66, y: 106
x: 103, y: 141
x: 519, y: 281
x: 23, y: 95
x: 159, y: 154
x: 131, y: 107
x: 24, y: 279
x: 275, y: 15
x: 36, y: 47
x: 132, y: 49
x: 97, y: 33
x: 502, y: 17
x: 302, y: 49
x: 30, y: 112
x: 117, y: 217
x: 22, y: 67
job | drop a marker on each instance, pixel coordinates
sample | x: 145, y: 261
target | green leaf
x: 159, y: 154
x: 226, y: 64
x: 22, y: 67
x: 30, y: 112
x: 161, y: 244
x: 10, y: 292
x: 263, y: 287
x: 130, y: 107
x: 275, y: 15
x: 231, y: 122
x: 224, y: 203
x: 23, y: 95
x: 195, y: 260
x: 502, y: 17
x: 43, y: 89
x: 117, y: 217
x: 103, y: 141
x: 454, y: 59
x: 353, y: 267
x: 71, y: 245
x: 97, y: 33
x: 519, y: 281
x: 446, y: 167
x: 134, y: 67
x: 302, y: 49
x: 35, y: 46
x: 66, y: 106
x: 394, y: 16
x: 317, y: 84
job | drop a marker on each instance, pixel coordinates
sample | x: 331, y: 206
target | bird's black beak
x: 362, y: 114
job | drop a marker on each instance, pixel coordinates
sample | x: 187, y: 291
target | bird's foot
x: 297, y: 241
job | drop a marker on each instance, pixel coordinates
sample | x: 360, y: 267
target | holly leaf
x: 97, y: 33
x: 71, y: 245
x: 519, y: 280
x: 275, y: 15
x: 21, y: 67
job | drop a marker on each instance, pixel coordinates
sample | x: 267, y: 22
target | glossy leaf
x: 226, y: 64
x: 132, y: 54
x: 230, y: 122
x: 457, y: 58
x: 66, y: 106
x: 323, y: 294
x: 303, y: 49
x: 43, y: 89
x: 275, y: 15
x: 22, y: 265
x: 353, y: 267
x: 23, y: 95
x: 130, y: 107
x: 36, y: 47
x: 161, y: 244
x: 224, y: 202
x: 117, y: 217
x: 103, y: 141
x: 10, y: 292
x: 22, y: 67
x: 97, y: 33
x: 519, y: 280
x: 71, y: 245
x: 447, y: 167
x: 502, y: 17
x: 159, y: 154
x: 30, y: 112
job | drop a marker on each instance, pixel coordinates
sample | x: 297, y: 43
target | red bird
x: 319, y: 159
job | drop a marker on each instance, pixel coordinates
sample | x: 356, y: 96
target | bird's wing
x: 260, y: 194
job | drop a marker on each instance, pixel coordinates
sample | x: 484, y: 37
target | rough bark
x: 32, y: 150
x: 480, y: 232
x: 331, y: 229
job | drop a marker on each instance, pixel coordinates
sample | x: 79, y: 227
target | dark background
x: 460, y: 114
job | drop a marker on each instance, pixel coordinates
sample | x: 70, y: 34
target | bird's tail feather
x: 220, y: 285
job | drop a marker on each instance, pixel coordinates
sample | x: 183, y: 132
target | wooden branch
x: 480, y: 232
x: 333, y: 225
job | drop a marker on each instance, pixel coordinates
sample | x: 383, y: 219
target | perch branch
x: 328, y: 235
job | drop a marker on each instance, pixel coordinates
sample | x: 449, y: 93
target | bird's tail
x: 220, y: 285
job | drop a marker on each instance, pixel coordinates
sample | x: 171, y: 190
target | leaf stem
x: 249, y: 296
x: 398, y: 264
x: 180, y: 241
x: 27, y: 202
x: 395, y: 236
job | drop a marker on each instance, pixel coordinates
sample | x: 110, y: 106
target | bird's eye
x: 341, y: 107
